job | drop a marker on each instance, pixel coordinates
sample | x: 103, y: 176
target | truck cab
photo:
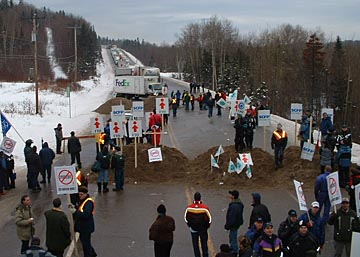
x: 155, y: 89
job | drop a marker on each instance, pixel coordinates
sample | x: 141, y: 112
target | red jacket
x: 197, y: 216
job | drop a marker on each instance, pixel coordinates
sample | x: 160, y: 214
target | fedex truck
x: 129, y: 86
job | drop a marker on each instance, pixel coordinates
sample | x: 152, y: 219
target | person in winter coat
x: 3, y: 172
x: 326, y: 157
x: 279, y: 141
x: 103, y: 175
x: 234, y: 219
x: 345, y: 221
x: 304, y: 131
x: 259, y: 210
x: 27, y: 150
x: 59, y: 137
x: 316, y: 224
x: 10, y: 174
x: 288, y: 228
x: 118, y: 163
x: 58, y: 235
x: 245, y: 249
x: 303, y: 243
x: 24, y: 221
x: 354, y: 180
x: 155, y: 121
x: 239, y: 134
x: 36, y: 250
x: 198, y: 218
x: 325, y: 125
x: 268, y: 245
x: 249, y: 126
x: 225, y: 251
x: 321, y: 192
x: 162, y: 233
x: 84, y: 221
x: 255, y: 231
x: 74, y: 149
x: 47, y: 156
x: 34, y: 166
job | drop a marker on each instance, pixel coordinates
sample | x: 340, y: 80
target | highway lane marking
x: 173, y: 139
x: 189, y: 192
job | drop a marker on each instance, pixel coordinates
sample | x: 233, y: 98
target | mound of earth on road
x: 105, y: 108
x: 263, y: 171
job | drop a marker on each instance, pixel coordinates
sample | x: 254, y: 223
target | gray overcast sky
x: 159, y: 21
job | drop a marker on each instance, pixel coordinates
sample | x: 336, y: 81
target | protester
x: 345, y: 221
x: 354, y: 180
x: 239, y: 134
x: 259, y: 210
x: 27, y: 150
x: 322, y: 194
x: 162, y: 233
x: 34, y: 168
x: 118, y: 163
x: 245, y: 249
x: 268, y: 244
x: 58, y: 235
x: 84, y: 221
x: 35, y: 250
x: 325, y: 126
x: 24, y: 221
x: 3, y: 172
x: 198, y: 219
x: 47, y: 156
x: 303, y: 243
x: 74, y: 149
x: 288, y: 228
x: 279, y: 141
x: 225, y: 251
x: 103, y: 175
x: 255, y: 231
x: 155, y: 126
x: 10, y: 172
x: 59, y: 137
x: 234, y: 219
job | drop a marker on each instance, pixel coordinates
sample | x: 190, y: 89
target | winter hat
x: 259, y: 219
x: 256, y: 197
x: 292, y: 213
x: 345, y: 200
x: 303, y: 223
x: 268, y: 224
x: 279, y: 126
x: 83, y: 189
x: 315, y: 204
x: 161, y: 209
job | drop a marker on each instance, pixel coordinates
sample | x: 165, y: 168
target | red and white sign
x: 135, y: 128
x: 97, y: 125
x: 246, y: 158
x: 300, y: 195
x: 162, y: 105
x: 116, y: 128
x: 155, y: 154
x: 333, y: 188
x: 7, y: 145
x: 65, y: 178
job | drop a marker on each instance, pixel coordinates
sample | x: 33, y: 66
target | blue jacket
x: 343, y: 156
x: 234, y: 215
x: 318, y: 228
x: 320, y: 189
x: 305, y: 130
x: 253, y: 234
x: 46, y: 154
x: 325, y: 125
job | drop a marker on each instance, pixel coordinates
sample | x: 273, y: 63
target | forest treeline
x: 19, y: 23
x: 276, y: 67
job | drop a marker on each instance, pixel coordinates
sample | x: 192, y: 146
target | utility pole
x: 75, y: 50
x: 347, y: 100
x: 33, y: 39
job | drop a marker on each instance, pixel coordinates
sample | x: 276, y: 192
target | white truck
x: 129, y: 86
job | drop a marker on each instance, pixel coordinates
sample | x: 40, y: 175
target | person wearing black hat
x: 162, y: 233
x: 198, y: 218
x: 234, y: 219
x: 225, y: 251
x: 302, y: 243
x: 255, y: 231
x: 118, y: 163
x: 59, y: 137
x: 84, y: 220
x: 345, y: 221
x: 74, y: 149
x: 288, y: 227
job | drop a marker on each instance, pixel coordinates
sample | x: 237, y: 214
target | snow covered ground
x: 18, y: 104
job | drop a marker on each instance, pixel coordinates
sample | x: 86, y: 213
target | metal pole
x: 35, y: 64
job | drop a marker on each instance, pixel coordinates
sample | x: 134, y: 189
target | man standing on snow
x: 234, y: 219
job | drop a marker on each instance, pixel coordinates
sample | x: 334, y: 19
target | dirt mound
x: 149, y: 104
x: 176, y: 168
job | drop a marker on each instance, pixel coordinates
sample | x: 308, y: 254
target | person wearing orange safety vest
x: 278, y: 143
x: 84, y: 221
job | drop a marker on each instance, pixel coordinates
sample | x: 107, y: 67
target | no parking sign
x: 155, y: 154
x: 7, y: 145
x: 65, y: 177
x: 334, y: 188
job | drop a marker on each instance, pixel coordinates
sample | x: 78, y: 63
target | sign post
x: 135, y: 130
x: 295, y: 114
x: 264, y: 121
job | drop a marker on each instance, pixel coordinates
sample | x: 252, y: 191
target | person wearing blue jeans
x: 103, y: 176
x: 234, y: 219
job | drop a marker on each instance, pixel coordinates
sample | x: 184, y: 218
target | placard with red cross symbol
x: 65, y: 178
x: 135, y: 128
x: 162, y: 105
x: 97, y: 125
x: 116, y: 128
x: 7, y: 145
x: 246, y: 158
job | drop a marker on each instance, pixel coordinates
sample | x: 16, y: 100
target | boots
x: 99, y: 187
x: 105, y: 189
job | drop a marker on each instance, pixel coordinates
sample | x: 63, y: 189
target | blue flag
x: 5, y: 124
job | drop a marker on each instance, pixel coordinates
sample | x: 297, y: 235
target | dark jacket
x: 259, y: 210
x: 286, y: 230
x: 197, y: 216
x: 58, y: 235
x: 74, y: 145
x: 224, y: 254
x: 118, y: 161
x: 325, y: 125
x: 279, y: 139
x: 47, y: 155
x: 104, y: 158
x: 84, y: 219
x: 318, y: 228
x: 34, y: 162
x: 234, y: 215
x: 266, y: 246
x: 247, y: 252
x: 162, y: 229
x: 252, y: 234
x: 303, y: 245
x: 344, y: 224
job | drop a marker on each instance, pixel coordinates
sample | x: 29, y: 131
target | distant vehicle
x: 156, y: 88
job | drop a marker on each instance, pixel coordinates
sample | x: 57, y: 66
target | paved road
x: 123, y: 218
